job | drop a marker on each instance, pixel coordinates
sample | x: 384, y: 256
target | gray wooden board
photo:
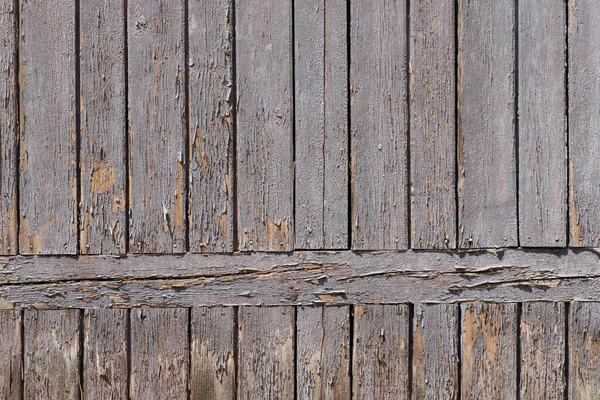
x: 584, y: 351
x: 264, y: 105
x: 432, y: 124
x: 321, y: 134
x: 11, y: 386
x: 211, y: 103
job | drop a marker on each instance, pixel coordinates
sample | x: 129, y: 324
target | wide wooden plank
x: 321, y: 144
x: 487, y: 191
x: 11, y: 385
x: 52, y: 351
x: 159, y: 353
x: 103, y: 124
x: 105, y: 361
x: 378, y: 104
x: 435, y: 351
x: 157, y: 126
x: 213, y: 369
x: 265, y: 168
x: 489, y: 351
x: 48, y: 128
x: 432, y: 124
x: 210, y: 39
x: 266, y: 358
x: 543, y: 351
x: 584, y: 350
x: 323, y: 349
x: 380, y: 362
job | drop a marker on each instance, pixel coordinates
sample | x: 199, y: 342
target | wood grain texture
x: 213, y: 368
x: 11, y: 385
x: 105, y: 364
x: 378, y: 104
x: 435, y: 362
x: 489, y: 351
x: 542, y: 351
x: 487, y: 191
x: 323, y: 351
x: 265, y: 92
x: 159, y: 354
x: 157, y: 126
x: 321, y: 134
x: 103, y: 156
x: 380, y: 352
x: 210, y: 38
x: 542, y: 124
x: 432, y: 124
x: 48, y: 184
x: 584, y: 351
x: 266, y: 358
x: 51, y: 369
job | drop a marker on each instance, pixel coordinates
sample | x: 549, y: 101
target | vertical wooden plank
x: 105, y: 354
x: 213, y: 353
x: 321, y: 144
x: 265, y: 169
x: 380, y: 362
x: 584, y: 351
x: 210, y: 38
x: 432, y: 124
x: 378, y: 104
x: 543, y: 351
x: 435, y: 351
x: 266, y: 346
x: 11, y: 386
x: 489, y: 351
x: 48, y: 184
x: 51, y: 369
x: 487, y: 191
x: 157, y: 127
x: 159, y: 353
x: 103, y: 127
x: 323, y: 349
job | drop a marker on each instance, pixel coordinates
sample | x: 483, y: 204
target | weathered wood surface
x: 542, y: 347
x: 11, y: 387
x: 487, y: 189
x: 542, y: 123
x: 159, y: 354
x: 211, y: 104
x: 584, y: 351
x: 103, y: 154
x: 489, y: 351
x: 432, y: 124
x: 51, y: 354
x: 157, y: 126
x: 265, y: 115
x: 321, y: 116
x: 435, y: 351
x: 380, y: 361
x: 378, y: 105
x: 48, y: 128
x: 266, y: 352
x: 212, y: 349
x: 323, y: 350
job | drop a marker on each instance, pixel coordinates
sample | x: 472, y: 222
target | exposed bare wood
x: 11, y: 384
x: 584, y: 351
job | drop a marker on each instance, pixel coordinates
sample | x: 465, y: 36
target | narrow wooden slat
x: 105, y: 354
x: 321, y: 145
x: 210, y: 38
x: 489, y: 351
x: 378, y: 104
x: 265, y: 171
x: 584, y: 351
x: 435, y: 351
x: 213, y: 353
x: 159, y: 353
x: 323, y: 349
x: 380, y: 352
x: 266, y: 358
x: 48, y: 184
x: 157, y: 128
x: 432, y: 124
x: 52, y: 351
x: 543, y: 351
x: 486, y: 124
x: 11, y: 386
